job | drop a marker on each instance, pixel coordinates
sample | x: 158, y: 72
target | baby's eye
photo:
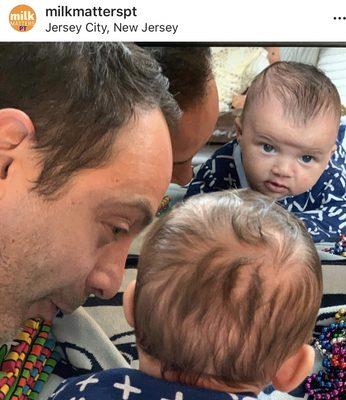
x: 267, y: 148
x: 306, y: 158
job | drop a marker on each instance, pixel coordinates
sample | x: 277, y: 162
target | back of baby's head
x: 303, y: 91
x: 229, y: 285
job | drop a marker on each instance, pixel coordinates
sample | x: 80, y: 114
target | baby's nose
x: 283, y: 169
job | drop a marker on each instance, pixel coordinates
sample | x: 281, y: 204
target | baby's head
x: 228, y: 289
x: 288, y: 128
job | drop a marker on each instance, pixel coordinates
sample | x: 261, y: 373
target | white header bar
x: 175, y: 21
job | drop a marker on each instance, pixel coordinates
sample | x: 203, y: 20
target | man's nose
x: 105, y: 279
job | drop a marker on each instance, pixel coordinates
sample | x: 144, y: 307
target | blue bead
x: 325, y: 363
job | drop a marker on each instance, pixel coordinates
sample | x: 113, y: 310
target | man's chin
x: 44, y: 309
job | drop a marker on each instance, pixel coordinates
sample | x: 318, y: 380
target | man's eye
x: 268, y: 148
x: 117, y: 230
x: 306, y: 158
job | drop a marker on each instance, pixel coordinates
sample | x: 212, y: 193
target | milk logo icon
x: 22, y: 18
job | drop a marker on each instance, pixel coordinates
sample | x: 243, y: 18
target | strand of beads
x: 340, y: 246
x: 330, y: 383
x: 164, y: 205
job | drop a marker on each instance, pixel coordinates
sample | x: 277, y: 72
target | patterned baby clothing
x: 131, y: 384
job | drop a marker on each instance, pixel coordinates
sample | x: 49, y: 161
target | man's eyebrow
x: 141, y: 205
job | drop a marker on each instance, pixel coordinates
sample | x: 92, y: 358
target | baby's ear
x: 295, y: 369
x: 238, y: 128
x: 129, y: 303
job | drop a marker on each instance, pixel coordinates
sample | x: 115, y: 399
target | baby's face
x: 281, y: 158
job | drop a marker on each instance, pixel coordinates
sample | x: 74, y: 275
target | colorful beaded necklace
x: 330, y: 383
x: 27, y: 364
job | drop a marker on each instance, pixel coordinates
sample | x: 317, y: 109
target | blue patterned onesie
x: 131, y: 384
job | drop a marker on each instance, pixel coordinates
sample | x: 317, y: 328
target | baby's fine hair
x: 303, y: 91
x: 229, y: 285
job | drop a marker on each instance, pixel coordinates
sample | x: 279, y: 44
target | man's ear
x: 295, y: 369
x: 129, y: 303
x: 238, y: 128
x: 15, y: 126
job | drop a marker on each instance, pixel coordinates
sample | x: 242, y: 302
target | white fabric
x: 306, y: 55
x: 332, y: 61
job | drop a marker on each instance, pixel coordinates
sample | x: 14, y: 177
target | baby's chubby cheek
x: 304, y: 183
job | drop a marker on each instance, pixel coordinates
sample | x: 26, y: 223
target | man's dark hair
x: 78, y: 96
x: 188, y: 70
x: 302, y: 90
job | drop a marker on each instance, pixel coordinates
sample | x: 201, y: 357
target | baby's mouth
x: 276, y: 187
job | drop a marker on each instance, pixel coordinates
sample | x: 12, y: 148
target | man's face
x: 281, y: 158
x: 55, y: 253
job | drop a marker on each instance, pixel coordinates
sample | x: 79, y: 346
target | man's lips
x: 45, y: 309
x: 275, y: 187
